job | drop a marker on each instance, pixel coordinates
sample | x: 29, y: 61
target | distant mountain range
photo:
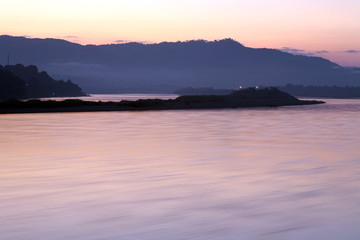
x: 167, y: 66
x: 18, y: 81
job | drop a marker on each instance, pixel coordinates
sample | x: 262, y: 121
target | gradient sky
x: 328, y: 28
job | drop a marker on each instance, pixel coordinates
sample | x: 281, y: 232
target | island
x: 243, y: 98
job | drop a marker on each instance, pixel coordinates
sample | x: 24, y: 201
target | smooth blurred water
x: 266, y: 173
x: 116, y: 97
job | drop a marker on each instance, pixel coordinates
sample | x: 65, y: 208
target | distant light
x: 257, y: 87
x: 241, y: 87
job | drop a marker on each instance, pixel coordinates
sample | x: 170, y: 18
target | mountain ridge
x: 167, y: 66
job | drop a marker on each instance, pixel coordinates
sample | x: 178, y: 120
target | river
x: 262, y: 173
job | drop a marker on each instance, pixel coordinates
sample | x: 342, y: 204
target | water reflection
x: 286, y: 173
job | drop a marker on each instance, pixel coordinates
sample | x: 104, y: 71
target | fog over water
x: 264, y: 173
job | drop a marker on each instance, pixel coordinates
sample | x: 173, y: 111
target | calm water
x: 267, y: 173
x: 116, y: 97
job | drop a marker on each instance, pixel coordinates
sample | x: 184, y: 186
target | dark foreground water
x: 267, y: 173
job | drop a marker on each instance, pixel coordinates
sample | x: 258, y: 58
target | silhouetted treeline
x: 18, y: 81
x: 36, y: 103
x: 322, y: 91
x: 11, y: 86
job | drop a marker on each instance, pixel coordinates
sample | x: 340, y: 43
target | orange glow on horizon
x: 304, y: 25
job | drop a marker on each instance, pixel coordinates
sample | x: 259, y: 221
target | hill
x: 18, y: 81
x: 11, y: 86
x: 167, y: 66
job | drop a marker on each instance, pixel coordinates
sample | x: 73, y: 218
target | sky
x: 327, y: 28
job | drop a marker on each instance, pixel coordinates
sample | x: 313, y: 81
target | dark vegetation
x: 167, y: 66
x: 143, y: 103
x: 251, y: 97
x: 11, y: 86
x: 35, y: 103
x: 18, y: 81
